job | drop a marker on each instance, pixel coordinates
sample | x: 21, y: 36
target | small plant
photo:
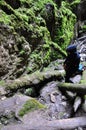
x: 29, y: 91
x: 22, y: 52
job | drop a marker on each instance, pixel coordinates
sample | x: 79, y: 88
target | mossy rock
x: 29, y: 106
x: 28, y: 22
x: 65, y: 28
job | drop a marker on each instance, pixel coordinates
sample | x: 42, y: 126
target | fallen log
x: 67, y: 124
x: 33, y: 80
x: 63, y: 124
x: 78, y: 88
x: 38, y: 78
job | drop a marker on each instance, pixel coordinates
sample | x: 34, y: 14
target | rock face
x: 42, y: 33
x: 13, y: 3
x: 81, y: 11
x: 58, y: 2
x: 80, y: 26
x: 50, y: 20
x: 6, y: 48
x: 10, y: 53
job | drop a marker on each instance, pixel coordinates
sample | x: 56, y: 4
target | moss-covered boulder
x: 29, y: 106
x: 46, y: 30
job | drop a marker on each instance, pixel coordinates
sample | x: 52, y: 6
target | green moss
x: 16, y: 84
x: 25, y: 15
x: 4, y: 18
x: 22, y: 52
x: 83, y: 28
x: 42, y: 54
x: 2, y: 82
x: 27, y: 21
x: 83, y: 81
x: 6, y: 7
x: 75, y: 3
x: 29, y: 69
x: 47, y: 52
x: 26, y: 3
x: 29, y: 106
x: 85, y: 97
x: 39, y: 4
x: 65, y: 30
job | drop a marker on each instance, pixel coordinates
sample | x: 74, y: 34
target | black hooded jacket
x: 72, y: 63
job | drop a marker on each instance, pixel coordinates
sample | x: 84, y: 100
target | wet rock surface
x: 9, y: 108
x: 58, y: 105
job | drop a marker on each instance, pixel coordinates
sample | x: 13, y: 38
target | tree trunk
x: 64, y: 124
x: 79, y: 88
x: 33, y: 80
x: 38, y: 78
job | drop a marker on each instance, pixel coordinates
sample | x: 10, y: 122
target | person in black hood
x: 71, y: 64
